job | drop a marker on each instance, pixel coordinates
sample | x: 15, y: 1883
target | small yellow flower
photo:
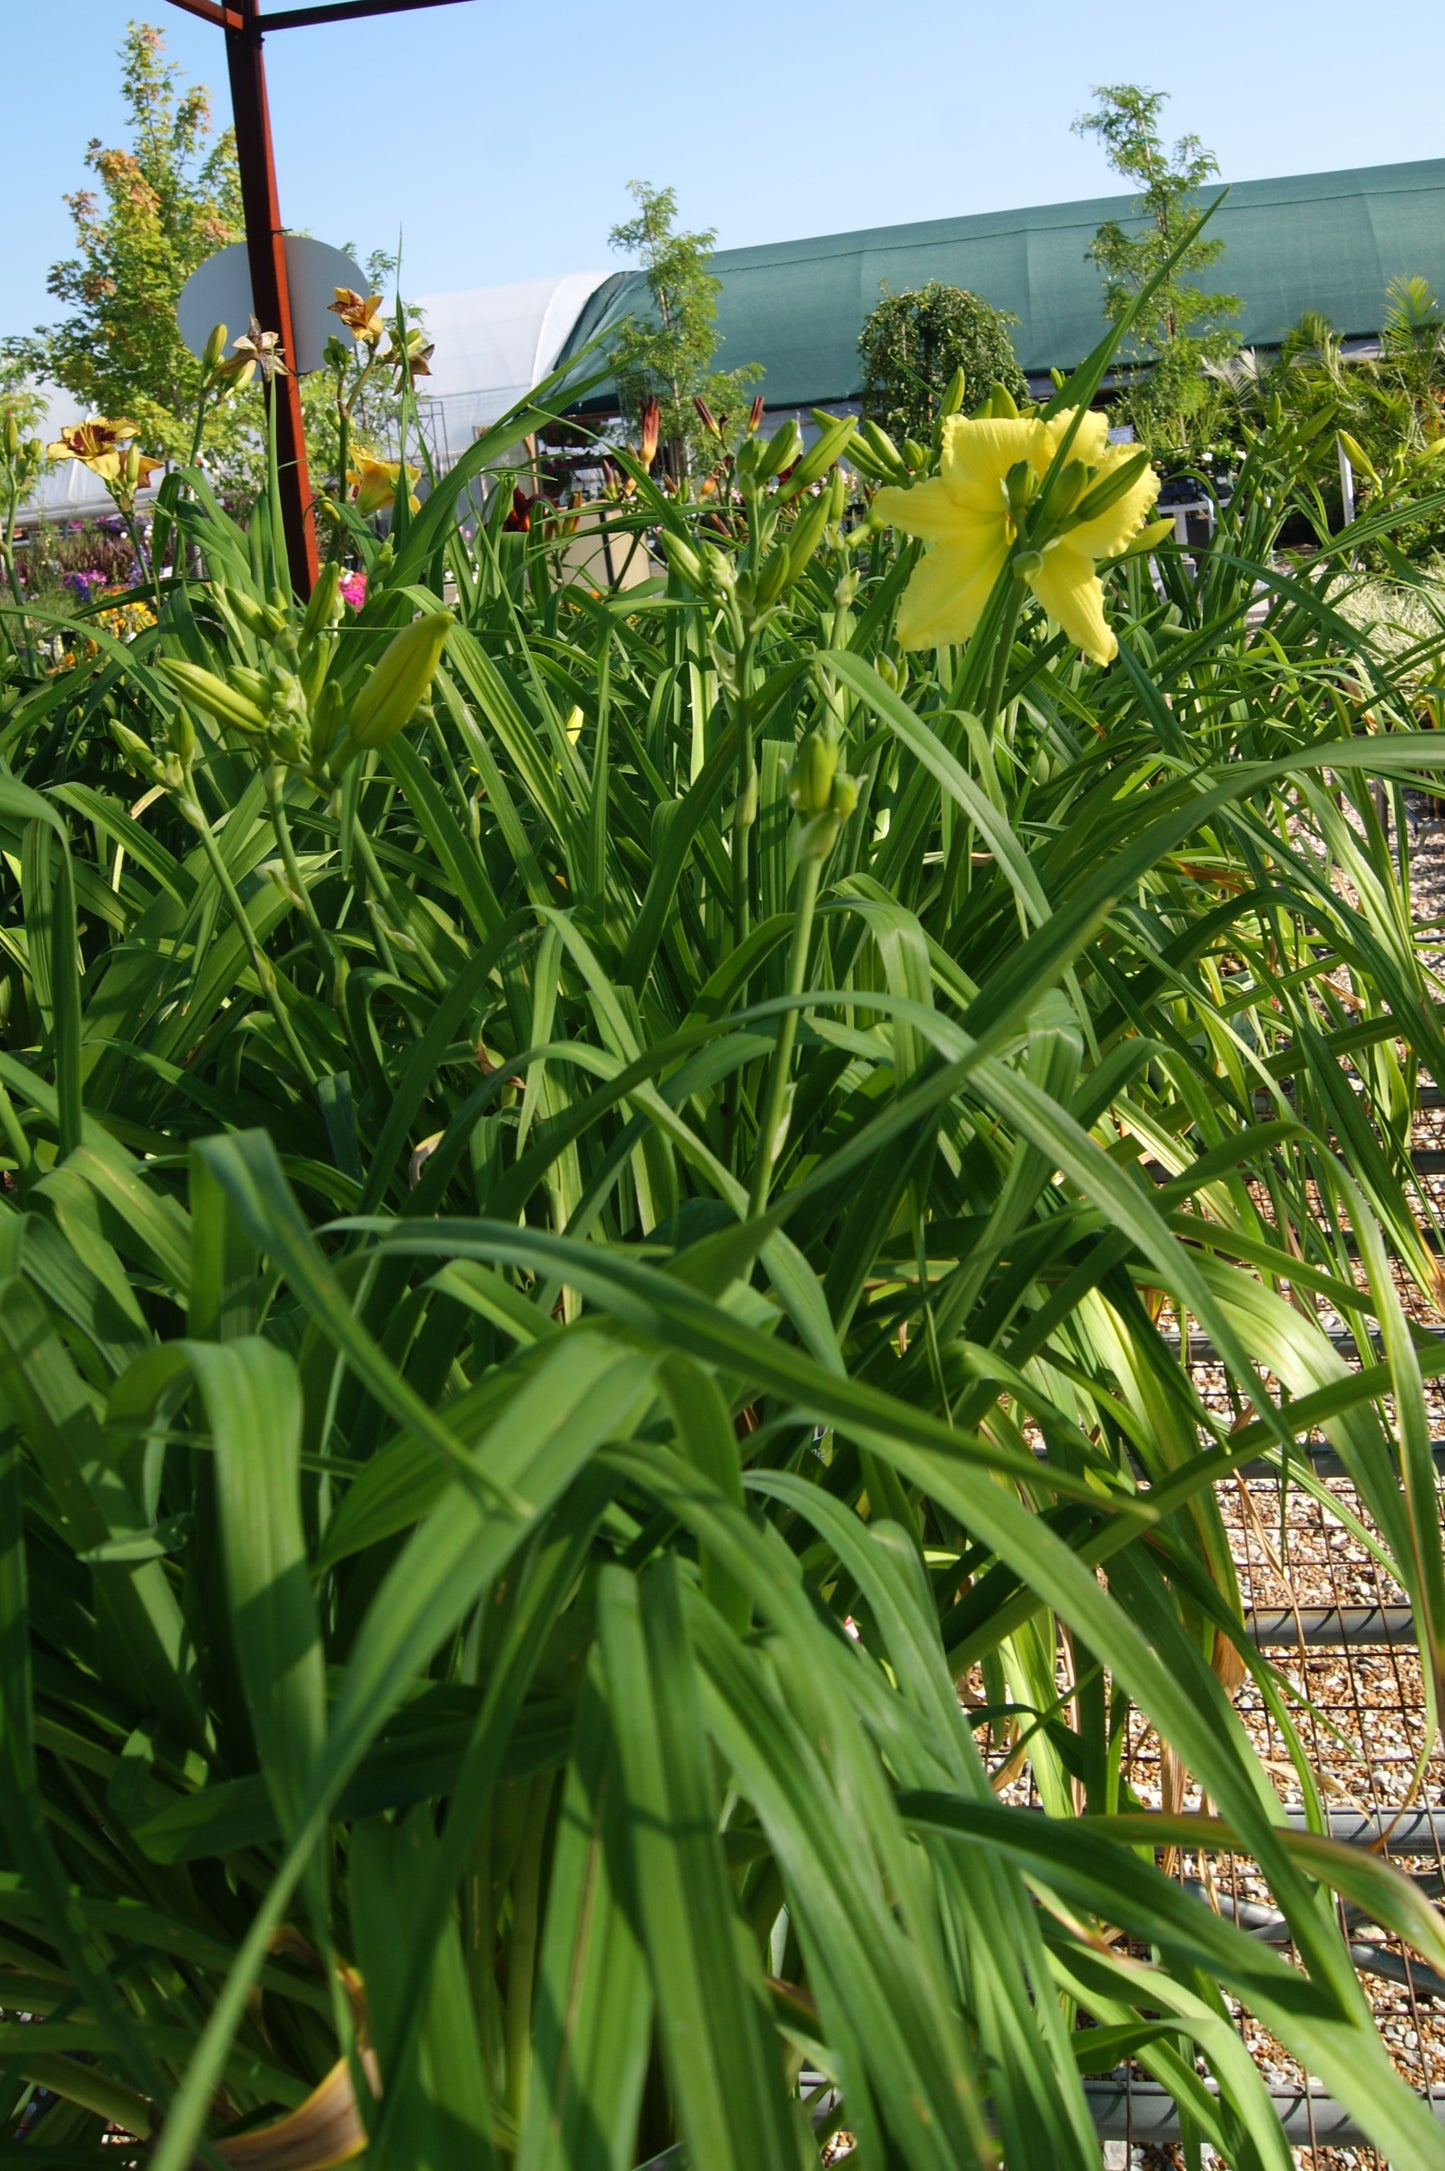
x: 374, y: 483
x: 361, y: 314
x: 971, y: 518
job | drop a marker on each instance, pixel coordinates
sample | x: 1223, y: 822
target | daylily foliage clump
x: 595, y: 1183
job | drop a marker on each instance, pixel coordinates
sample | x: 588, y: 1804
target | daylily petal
x: 928, y: 511
x: 1070, y: 591
x: 945, y: 598
x: 1090, y: 441
x: 977, y: 455
x: 1107, y: 535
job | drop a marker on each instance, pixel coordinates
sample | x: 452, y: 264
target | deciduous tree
x: 1183, y: 325
x: 166, y: 199
x: 668, y: 356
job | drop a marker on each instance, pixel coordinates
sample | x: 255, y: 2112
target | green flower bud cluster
x: 822, y: 793
x: 286, y: 705
x: 23, y: 457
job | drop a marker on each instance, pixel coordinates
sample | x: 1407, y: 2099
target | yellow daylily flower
x: 970, y: 520
x: 96, y: 444
x: 101, y: 445
x: 375, y: 481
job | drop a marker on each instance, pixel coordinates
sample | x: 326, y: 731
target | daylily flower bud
x: 835, y: 434
x: 844, y: 795
x: 772, y: 577
x: 952, y: 398
x: 400, y: 681
x: 816, y: 838
x: 883, y: 449
x: 915, y: 456
x: 807, y: 535
x: 755, y: 417
x: 253, y: 684
x: 12, y: 437
x: 810, y: 780
x: 326, y: 723
x: 1357, y: 456
x: 684, y: 560
x: 651, y: 425
x: 324, y: 609
x: 705, y: 414
x: 215, y: 352
x: 287, y: 696
x: 1072, y: 481
x: 251, y: 613
x: 1020, y: 487
x: 213, y: 696
x: 1111, y: 487
x: 182, y: 735
x: 782, y: 450
x: 135, y: 750
x: 1027, y: 562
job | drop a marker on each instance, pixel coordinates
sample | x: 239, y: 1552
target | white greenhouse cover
x: 493, y: 343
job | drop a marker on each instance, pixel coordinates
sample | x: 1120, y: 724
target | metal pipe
x: 270, y: 285
x: 1404, y: 1831
x: 1125, y: 2109
x: 343, y: 11
x: 1331, y: 1627
x: 1325, y: 1461
x: 1370, y: 1957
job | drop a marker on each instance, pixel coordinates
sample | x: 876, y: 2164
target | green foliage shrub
x: 912, y: 344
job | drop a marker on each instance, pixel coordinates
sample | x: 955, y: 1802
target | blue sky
x: 500, y: 139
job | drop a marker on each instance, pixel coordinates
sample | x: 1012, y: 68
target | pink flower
x: 353, y: 590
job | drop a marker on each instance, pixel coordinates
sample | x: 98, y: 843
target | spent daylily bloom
x: 411, y: 361
x: 262, y: 350
x: 361, y: 314
x: 375, y: 481
x: 983, y: 511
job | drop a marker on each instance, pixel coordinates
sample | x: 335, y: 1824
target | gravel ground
x: 1360, y: 1712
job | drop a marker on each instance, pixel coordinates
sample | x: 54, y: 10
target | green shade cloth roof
x: 1326, y: 241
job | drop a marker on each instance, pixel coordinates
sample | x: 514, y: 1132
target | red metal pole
x: 270, y: 287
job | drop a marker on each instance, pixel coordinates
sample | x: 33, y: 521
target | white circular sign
x: 219, y: 292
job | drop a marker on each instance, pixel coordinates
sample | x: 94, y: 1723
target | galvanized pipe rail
x: 1330, y: 1627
